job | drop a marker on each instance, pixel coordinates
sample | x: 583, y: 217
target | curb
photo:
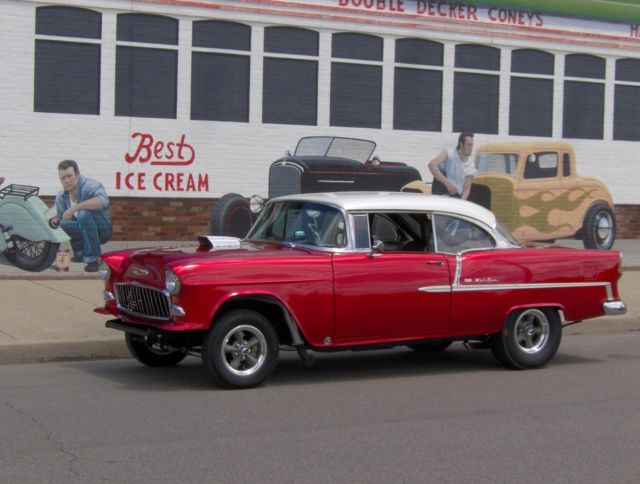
x: 63, y: 351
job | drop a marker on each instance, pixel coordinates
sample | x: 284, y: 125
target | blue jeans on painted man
x: 87, y: 231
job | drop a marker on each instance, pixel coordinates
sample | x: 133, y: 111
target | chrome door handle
x: 436, y: 262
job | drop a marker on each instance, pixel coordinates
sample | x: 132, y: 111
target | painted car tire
x: 231, y: 216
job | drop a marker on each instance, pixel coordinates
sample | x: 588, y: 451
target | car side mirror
x: 375, y: 161
x: 377, y: 249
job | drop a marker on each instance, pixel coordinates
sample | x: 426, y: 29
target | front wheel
x: 32, y: 256
x: 152, y: 354
x: 241, y: 350
x: 529, y: 338
x: 599, y: 228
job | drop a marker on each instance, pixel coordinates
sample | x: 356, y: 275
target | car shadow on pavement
x: 329, y: 367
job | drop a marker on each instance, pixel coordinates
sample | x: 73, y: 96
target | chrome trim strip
x: 350, y: 182
x: 544, y: 285
x: 509, y: 287
x: 435, y: 289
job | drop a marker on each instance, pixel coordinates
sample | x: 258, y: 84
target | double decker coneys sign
x: 157, y: 166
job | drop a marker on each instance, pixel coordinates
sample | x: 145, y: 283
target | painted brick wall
x: 157, y: 219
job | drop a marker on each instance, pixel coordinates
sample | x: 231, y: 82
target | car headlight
x: 104, y: 271
x: 171, y: 282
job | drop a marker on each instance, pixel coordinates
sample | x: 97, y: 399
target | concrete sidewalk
x: 49, y: 316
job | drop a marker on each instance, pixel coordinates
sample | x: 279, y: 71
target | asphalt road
x: 385, y: 416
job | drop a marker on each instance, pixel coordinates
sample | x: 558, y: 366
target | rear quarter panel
x: 494, y: 283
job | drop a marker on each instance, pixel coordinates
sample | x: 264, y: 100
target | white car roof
x: 398, y: 201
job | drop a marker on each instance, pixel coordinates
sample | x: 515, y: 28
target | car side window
x: 454, y: 235
x: 401, y: 232
x: 541, y: 165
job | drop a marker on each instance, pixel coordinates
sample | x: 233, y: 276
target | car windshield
x: 497, y: 163
x: 302, y: 223
x: 351, y: 148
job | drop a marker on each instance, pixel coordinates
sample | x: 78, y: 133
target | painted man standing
x: 453, y: 172
x: 82, y: 210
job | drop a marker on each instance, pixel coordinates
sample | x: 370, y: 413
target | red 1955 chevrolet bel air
x: 340, y: 271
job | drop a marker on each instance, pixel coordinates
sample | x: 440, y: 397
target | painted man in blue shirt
x: 82, y: 210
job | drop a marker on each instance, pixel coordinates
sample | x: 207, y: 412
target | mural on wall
x: 180, y: 118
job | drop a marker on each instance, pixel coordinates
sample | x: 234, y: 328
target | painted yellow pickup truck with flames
x: 535, y: 191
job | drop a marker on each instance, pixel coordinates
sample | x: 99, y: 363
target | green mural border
x: 627, y: 11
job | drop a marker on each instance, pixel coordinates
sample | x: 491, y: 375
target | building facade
x: 172, y: 104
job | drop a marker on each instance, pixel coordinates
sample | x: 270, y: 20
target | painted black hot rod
x: 318, y: 164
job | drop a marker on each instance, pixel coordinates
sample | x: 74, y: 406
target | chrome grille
x: 143, y: 301
x: 284, y: 179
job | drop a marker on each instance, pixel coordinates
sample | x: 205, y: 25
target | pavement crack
x: 65, y: 293
x: 71, y: 457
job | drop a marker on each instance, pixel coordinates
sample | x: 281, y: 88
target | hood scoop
x: 218, y: 242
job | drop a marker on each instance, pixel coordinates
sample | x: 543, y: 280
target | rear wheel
x: 241, y: 350
x: 529, y: 338
x: 152, y: 354
x: 599, y: 229
x: 32, y: 256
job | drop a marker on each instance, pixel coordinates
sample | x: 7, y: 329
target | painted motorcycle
x: 28, y: 239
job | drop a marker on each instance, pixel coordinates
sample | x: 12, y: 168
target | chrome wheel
x: 603, y: 229
x: 529, y: 338
x: 532, y: 330
x: 244, y: 350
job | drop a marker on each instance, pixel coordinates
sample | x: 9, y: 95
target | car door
x: 402, y: 291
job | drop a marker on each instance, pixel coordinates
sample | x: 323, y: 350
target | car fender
x: 244, y: 298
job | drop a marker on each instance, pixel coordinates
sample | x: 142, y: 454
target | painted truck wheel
x: 599, y: 229
x: 231, y: 216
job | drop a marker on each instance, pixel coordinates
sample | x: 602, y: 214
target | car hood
x: 252, y: 262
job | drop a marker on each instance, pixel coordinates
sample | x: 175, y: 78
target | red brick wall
x: 628, y: 220
x: 158, y: 218
x: 185, y: 218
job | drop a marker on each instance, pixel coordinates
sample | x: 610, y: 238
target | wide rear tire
x: 529, y: 338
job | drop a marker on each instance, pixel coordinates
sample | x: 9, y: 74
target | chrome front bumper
x: 613, y: 308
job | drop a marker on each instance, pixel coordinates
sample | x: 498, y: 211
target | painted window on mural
x: 67, y: 72
x: 476, y: 89
x: 290, y: 76
x: 627, y: 100
x: 531, y: 100
x: 220, y: 64
x: 146, y: 76
x: 356, y: 86
x: 417, y: 91
x: 583, y: 111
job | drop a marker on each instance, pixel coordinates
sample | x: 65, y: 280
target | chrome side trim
x: 545, y: 285
x: 435, y: 289
x: 614, y: 308
x: 350, y: 182
x: 511, y: 287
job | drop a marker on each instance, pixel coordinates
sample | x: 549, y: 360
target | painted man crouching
x: 82, y: 211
